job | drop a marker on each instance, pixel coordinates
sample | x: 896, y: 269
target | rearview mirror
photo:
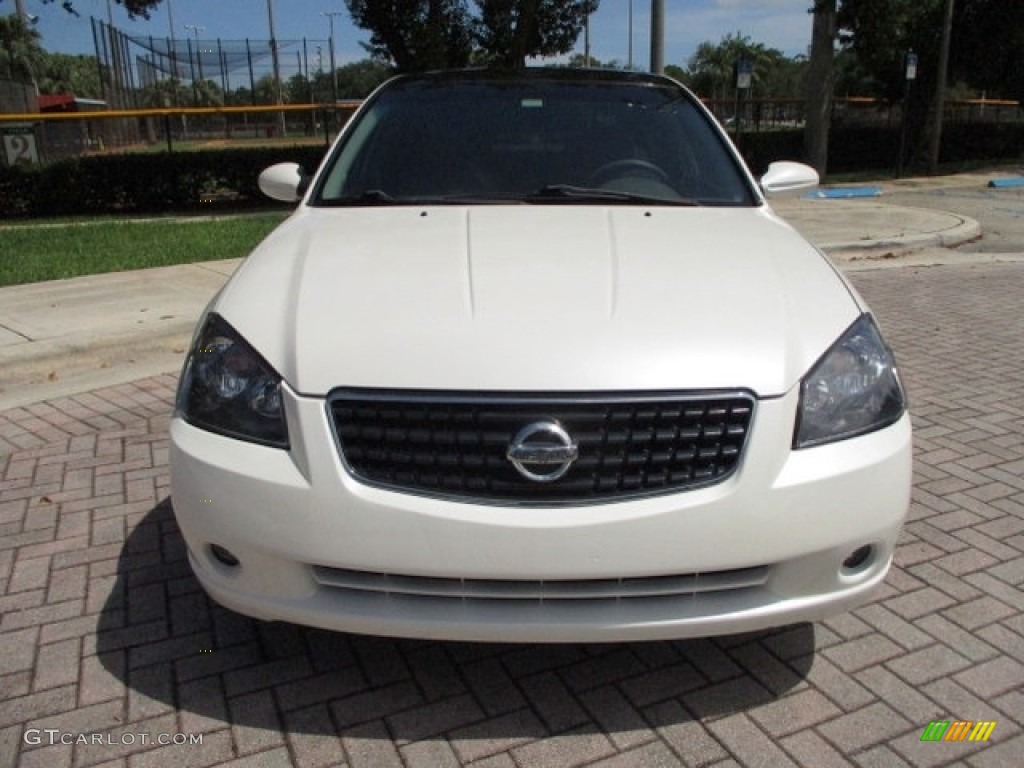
x: 786, y: 176
x: 285, y: 182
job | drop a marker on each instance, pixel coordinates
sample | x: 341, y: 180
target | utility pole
x: 586, y: 41
x: 630, y: 65
x: 334, y: 67
x: 277, y: 67
x: 935, y: 141
x: 173, y: 44
x: 658, y: 36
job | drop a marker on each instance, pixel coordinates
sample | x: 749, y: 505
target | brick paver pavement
x: 105, y: 635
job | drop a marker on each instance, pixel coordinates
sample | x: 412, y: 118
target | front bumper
x: 304, y: 531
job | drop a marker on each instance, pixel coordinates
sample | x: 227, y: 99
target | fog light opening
x: 223, y: 556
x: 859, y: 559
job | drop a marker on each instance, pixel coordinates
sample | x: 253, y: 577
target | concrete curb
x: 44, y: 370
x: 964, y: 232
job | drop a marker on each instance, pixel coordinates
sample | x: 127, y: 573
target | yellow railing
x: 109, y: 114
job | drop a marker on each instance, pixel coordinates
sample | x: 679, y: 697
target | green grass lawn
x: 34, y: 252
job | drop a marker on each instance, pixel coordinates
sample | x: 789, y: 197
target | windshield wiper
x: 569, y: 193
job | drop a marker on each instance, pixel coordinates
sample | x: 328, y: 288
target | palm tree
x: 24, y: 55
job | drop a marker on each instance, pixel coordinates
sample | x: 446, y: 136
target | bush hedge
x: 145, y: 183
x: 875, y: 148
x: 209, y: 179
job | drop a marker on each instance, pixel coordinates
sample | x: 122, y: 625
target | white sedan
x: 533, y: 360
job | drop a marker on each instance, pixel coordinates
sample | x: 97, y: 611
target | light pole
x: 630, y: 65
x: 334, y: 70
x: 277, y: 66
x: 173, y: 47
x: 199, y: 53
x: 586, y: 42
x: 657, y: 36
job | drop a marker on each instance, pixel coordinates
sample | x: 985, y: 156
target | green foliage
x: 163, y: 94
x: 358, y: 79
x: 711, y: 70
x: 509, y: 31
x: 145, y: 183
x: 855, y: 148
x: 20, y: 44
x: 135, y: 8
x: 74, y: 74
x: 987, y: 46
x: 417, y: 35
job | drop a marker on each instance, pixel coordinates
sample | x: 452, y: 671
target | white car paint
x: 469, y: 298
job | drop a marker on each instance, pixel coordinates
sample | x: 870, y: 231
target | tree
x: 579, y: 61
x: 74, y: 74
x: 711, y: 70
x: 358, y: 79
x: 820, y: 81
x: 266, y: 90
x: 428, y: 34
x: 135, y: 8
x: 988, y: 47
x: 24, y: 56
x: 163, y: 94
x: 416, y: 34
x: 509, y: 31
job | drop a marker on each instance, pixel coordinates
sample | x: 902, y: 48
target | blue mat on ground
x: 844, y: 192
x: 1017, y: 181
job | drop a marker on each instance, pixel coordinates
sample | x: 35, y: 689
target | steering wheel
x: 624, y: 167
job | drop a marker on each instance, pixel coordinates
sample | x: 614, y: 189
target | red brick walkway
x: 106, y: 639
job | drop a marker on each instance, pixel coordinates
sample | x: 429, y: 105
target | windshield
x: 539, y: 141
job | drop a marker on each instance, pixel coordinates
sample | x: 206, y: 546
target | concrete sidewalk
x: 67, y: 336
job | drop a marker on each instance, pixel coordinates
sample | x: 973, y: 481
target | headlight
x: 226, y: 387
x: 853, y: 389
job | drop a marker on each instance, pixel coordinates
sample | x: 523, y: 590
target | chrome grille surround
x: 454, y: 445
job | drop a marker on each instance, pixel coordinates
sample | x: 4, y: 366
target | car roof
x: 535, y: 74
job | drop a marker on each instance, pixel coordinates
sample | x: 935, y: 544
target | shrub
x: 145, y: 183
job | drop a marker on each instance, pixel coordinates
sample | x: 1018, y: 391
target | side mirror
x: 785, y: 176
x: 285, y: 182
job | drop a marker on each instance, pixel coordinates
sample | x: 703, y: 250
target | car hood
x: 538, y: 298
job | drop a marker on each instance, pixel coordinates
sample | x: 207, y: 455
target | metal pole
x: 334, y: 67
x: 586, y: 41
x: 935, y: 143
x: 252, y: 75
x: 173, y: 47
x: 630, y: 65
x: 199, y: 50
x: 657, y: 36
x: 225, y: 75
x: 99, y: 53
x: 126, y: 54
x: 192, y: 67
x: 277, y: 66
x: 115, y: 61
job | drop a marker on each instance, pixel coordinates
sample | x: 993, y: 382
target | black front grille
x: 455, y: 445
